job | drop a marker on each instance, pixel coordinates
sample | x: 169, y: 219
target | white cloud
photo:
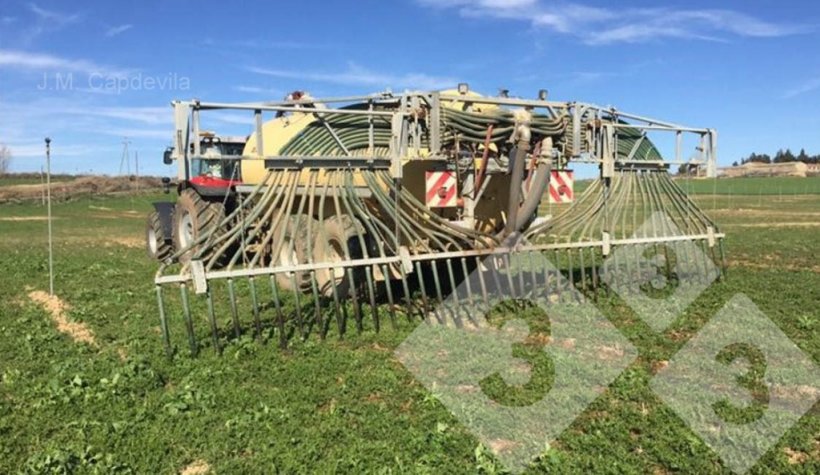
x: 116, y: 30
x: 263, y: 44
x: 359, y: 76
x: 135, y: 132
x: 27, y: 60
x: 46, y: 21
x: 236, y: 118
x: 259, y: 90
x: 53, y: 16
x: 38, y: 150
x: 808, y: 86
x: 598, y: 26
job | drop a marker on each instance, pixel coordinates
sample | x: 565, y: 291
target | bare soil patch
x: 795, y: 457
x: 776, y: 265
x: 502, y: 445
x: 25, y: 218
x: 197, y: 467
x: 134, y: 242
x: 52, y: 304
x: 81, y: 186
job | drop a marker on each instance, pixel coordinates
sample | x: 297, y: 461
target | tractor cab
x: 211, y: 172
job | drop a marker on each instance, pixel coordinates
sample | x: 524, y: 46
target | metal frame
x: 602, y: 124
x: 584, y: 234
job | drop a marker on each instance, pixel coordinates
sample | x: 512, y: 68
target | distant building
x: 795, y: 169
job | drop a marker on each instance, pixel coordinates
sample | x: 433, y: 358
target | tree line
x: 782, y: 156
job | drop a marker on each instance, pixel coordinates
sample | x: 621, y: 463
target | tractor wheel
x: 158, y: 245
x: 340, y: 242
x: 290, y: 249
x: 194, y: 218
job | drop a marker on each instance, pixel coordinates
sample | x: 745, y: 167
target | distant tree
x: 755, y: 158
x: 789, y: 156
x: 803, y: 156
x: 5, y: 159
x: 784, y: 156
x: 734, y: 164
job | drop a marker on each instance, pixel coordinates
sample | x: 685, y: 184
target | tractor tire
x: 292, y: 248
x: 157, y: 244
x: 340, y: 242
x: 193, y: 218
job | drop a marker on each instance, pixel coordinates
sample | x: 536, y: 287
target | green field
x: 121, y: 406
x: 753, y: 186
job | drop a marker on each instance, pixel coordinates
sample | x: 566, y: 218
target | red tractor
x: 205, y: 188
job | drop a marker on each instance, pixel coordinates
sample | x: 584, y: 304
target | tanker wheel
x: 292, y: 249
x: 194, y: 218
x: 342, y: 240
x: 157, y: 244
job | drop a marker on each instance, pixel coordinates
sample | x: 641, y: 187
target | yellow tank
x: 278, y: 132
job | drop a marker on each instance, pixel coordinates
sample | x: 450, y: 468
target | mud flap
x: 165, y: 210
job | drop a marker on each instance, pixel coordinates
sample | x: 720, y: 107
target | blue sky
x: 750, y: 69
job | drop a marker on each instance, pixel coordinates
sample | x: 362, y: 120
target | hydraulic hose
x: 537, y: 187
x: 516, y: 178
x: 521, y: 137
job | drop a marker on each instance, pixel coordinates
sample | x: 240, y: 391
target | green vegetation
x: 782, y: 156
x: 339, y: 405
x: 752, y: 186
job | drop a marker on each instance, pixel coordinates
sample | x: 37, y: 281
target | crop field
x: 753, y: 186
x: 86, y: 386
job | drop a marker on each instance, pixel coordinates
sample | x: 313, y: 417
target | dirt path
x: 25, y: 218
x: 57, y: 308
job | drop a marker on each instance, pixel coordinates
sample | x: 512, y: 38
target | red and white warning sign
x: 441, y: 189
x: 561, y: 186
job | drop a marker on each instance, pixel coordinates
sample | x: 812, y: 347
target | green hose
x: 467, y: 127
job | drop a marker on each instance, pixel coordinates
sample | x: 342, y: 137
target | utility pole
x: 125, y: 160
x: 137, y: 168
x: 50, y: 235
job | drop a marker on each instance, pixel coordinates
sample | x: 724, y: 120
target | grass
x: 340, y: 405
x: 753, y: 186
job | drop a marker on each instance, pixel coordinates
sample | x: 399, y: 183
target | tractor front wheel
x: 158, y: 245
x: 193, y: 218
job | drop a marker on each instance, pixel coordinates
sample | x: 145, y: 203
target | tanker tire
x: 339, y: 243
x: 294, y: 250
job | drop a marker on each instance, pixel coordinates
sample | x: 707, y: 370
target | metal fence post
x: 50, y: 236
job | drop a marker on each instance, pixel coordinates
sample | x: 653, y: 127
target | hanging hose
x: 536, y: 191
x: 518, y: 161
x: 479, y: 179
x: 339, y: 238
x: 519, y: 213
